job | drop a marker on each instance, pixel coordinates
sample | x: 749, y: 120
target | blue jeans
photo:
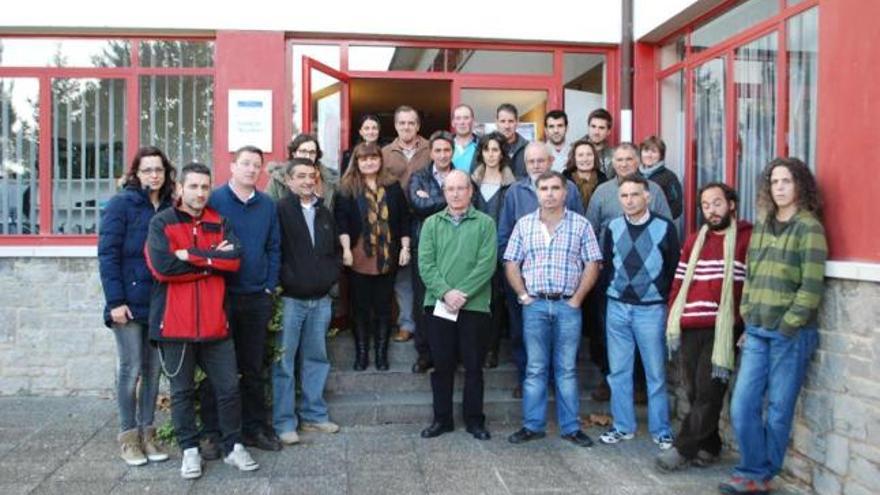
x: 774, y: 366
x: 304, y: 330
x: 552, y: 334
x: 644, y: 326
x: 137, y: 358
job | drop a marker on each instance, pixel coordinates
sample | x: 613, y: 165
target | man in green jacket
x: 784, y: 285
x: 457, y: 256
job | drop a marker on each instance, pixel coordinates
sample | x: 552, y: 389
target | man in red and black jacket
x: 188, y: 249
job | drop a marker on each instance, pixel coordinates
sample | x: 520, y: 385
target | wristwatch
x: 522, y: 297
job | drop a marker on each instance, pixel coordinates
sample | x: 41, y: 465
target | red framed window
x: 737, y: 88
x: 73, y: 111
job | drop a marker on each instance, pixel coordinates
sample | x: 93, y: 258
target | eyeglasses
x: 307, y: 152
x: 151, y: 171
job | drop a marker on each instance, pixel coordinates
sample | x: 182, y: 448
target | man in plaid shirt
x: 551, y: 262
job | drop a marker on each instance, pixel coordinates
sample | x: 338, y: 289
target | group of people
x: 471, y: 238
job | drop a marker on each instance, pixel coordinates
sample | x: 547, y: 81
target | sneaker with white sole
x: 289, y: 437
x: 664, y: 441
x: 614, y: 435
x: 191, y: 465
x: 324, y: 427
x: 241, y: 459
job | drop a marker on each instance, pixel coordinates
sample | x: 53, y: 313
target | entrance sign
x: 250, y: 119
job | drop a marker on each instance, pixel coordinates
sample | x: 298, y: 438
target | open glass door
x: 325, y: 109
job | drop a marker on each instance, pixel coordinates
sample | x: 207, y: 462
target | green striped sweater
x: 786, y: 268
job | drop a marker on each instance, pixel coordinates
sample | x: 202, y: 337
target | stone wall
x: 53, y: 342
x: 52, y: 336
x: 836, y: 434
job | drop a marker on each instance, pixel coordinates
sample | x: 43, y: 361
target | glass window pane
x: 466, y: 61
x: 584, y: 77
x: 46, y: 52
x: 385, y: 58
x: 499, y: 62
x: 673, y: 52
x: 177, y: 116
x: 755, y: 84
x: 672, y: 128
x: 88, y: 150
x: 709, y: 131
x: 171, y: 53
x: 19, y: 152
x: 326, y: 54
x: 532, y: 106
x: 327, y: 113
x: 743, y: 16
x: 803, y: 81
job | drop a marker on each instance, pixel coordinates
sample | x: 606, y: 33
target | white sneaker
x: 240, y: 458
x: 289, y: 437
x: 664, y: 441
x: 325, y: 427
x: 191, y: 466
x: 614, y: 435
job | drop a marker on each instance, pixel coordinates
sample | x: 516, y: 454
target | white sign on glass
x: 250, y: 119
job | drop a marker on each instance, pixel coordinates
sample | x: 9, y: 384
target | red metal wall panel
x: 646, y: 111
x: 848, y: 122
x: 249, y: 60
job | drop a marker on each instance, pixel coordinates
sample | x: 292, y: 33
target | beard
x: 723, y: 224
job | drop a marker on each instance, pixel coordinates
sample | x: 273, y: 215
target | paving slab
x: 75, y: 452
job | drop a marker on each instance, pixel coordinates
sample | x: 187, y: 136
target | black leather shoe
x: 422, y: 365
x: 261, y: 441
x: 209, y: 449
x: 525, y: 435
x: 579, y: 438
x: 436, y: 429
x: 479, y: 432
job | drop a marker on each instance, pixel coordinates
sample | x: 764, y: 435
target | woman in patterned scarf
x: 374, y: 226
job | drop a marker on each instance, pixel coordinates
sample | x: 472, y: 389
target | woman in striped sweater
x: 784, y: 286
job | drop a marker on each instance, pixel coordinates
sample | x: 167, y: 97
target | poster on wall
x: 250, y: 119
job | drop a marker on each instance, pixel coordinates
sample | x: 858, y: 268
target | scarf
x: 378, y: 238
x: 586, y: 186
x: 722, y: 349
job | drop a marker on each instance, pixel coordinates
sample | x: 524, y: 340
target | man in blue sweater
x: 520, y: 200
x: 249, y: 305
x: 641, y: 252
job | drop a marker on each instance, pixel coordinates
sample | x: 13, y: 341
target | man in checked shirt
x: 551, y: 262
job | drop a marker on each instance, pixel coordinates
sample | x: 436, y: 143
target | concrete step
x: 415, y: 407
x: 340, y: 350
x: 401, y: 379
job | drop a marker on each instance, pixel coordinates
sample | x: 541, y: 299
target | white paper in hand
x: 440, y: 311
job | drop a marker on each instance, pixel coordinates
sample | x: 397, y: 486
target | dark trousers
x: 420, y: 336
x: 515, y: 328
x: 372, y: 296
x: 594, y: 328
x: 498, y: 312
x: 450, y: 342
x: 249, y: 316
x: 217, y: 359
x: 699, y: 429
